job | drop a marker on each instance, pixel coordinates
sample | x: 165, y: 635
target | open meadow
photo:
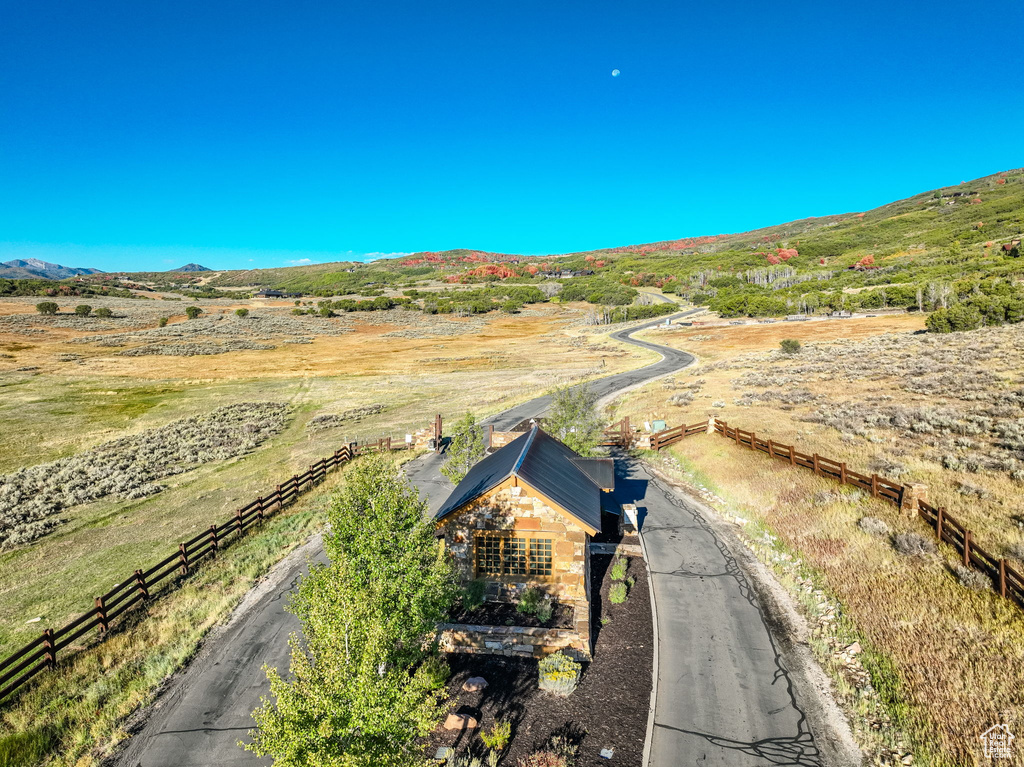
x: 106, y: 422
x: 938, y: 655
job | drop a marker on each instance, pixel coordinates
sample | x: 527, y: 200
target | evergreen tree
x: 466, y: 448
x: 574, y: 419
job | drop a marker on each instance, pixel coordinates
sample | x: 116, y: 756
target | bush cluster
x: 129, y: 467
x: 559, y: 674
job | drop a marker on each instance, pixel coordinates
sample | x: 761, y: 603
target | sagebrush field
x: 101, y: 413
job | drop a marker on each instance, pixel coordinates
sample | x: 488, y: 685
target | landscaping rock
x: 474, y: 684
x: 460, y: 722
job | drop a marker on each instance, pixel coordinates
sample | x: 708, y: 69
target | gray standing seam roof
x: 542, y: 462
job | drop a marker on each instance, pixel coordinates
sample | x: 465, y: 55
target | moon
x: 615, y: 73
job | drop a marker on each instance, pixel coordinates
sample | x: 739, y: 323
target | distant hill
x: 191, y: 268
x: 34, y: 269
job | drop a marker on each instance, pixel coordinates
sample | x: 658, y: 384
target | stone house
x: 523, y: 517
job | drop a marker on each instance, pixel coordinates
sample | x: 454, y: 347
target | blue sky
x: 244, y: 134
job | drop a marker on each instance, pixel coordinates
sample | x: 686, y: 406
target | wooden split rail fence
x: 41, y: 654
x: 1007, y: 581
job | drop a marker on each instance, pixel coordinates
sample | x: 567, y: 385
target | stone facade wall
x: 510, y: 641
x: 522, y: 512
x: 502, y: 438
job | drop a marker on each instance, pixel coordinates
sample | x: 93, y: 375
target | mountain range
x: 34, y: 269
x: 191, y: 268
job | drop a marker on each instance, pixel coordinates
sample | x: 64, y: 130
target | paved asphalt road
x: 723, y: 695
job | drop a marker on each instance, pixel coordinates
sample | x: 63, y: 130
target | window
x: 503, y: 555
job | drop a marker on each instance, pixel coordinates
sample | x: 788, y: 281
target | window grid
x: 503, y: 555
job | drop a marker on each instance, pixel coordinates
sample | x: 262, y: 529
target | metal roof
x: 600, y: 470
x: 543, y: 463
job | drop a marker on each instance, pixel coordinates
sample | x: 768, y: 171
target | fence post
x: 101, y: 613
x: 238, y: 521
x: 183, y: 558
x: 874, y: 485
x: 941, y: 515
x: 817, y: 468
x: 792, y: 456
x: 490, y: 436
x: 736, y: 433
x: 280, y: 500
x: 140, y: 581
x: 627, y: 433
x: 259, y: 508
x: 967, y: 548
x: 842, y: 473
x: 771, y: 449
x: 753, y: 441
x: 1002, y: 578
x: 50, y: 656
x: 438, y: 434
x: 214, y: 540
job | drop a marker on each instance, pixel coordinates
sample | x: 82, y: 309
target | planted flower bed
x: 609, y: 707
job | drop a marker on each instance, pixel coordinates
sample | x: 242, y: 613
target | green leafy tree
x: 162, y: 322
x: 104, y: 312
x: 574, y: 419
x: 365, y: 684
x: 790, y: 346
x: 83, y: 310
x: 243, y: 312
x: 465, y: 449
x: 192, y: 312
x: 47, y: 307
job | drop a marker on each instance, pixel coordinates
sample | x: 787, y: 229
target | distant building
x: 269, y: 294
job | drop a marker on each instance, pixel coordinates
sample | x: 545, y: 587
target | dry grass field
x: 941, y: 656
x: 69, y: 387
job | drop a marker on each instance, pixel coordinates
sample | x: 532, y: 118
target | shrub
x: 558, y: 673
x: 103, y: 312
x: 192, y: 312
x: 242, y: 312
x: 47, y: 307
x: 498, y: 736
x: 560, y: 752
x: 473, y: 594
x: 790, y: 346
x: 83, y: 310
x: 543, y: 759
x: 162, y: 322
x: 544, y: 611
x: 530, y: 601
x: 873, y: 525
x: 971, y: 579
x: 913, y: 545
x: 619, y: 569
x: 618, y: 593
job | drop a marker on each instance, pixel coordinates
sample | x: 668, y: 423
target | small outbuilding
x: 523, y: 517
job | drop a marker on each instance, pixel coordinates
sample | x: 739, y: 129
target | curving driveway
x: 724, y: 695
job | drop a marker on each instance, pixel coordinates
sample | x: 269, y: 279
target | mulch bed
x: 609, y: 708
x: 506, y: 614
